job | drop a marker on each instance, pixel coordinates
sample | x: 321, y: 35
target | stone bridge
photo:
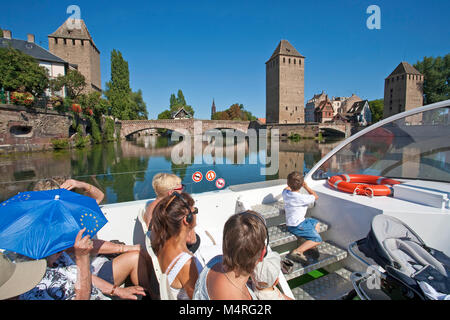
x: 192, y: 126
x: 333, y: 128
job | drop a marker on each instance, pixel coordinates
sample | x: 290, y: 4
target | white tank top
x: 175, y: 267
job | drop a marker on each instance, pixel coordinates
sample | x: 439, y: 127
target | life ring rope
x: 363, y: 184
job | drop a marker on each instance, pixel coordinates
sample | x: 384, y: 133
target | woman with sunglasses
x: 173, y: 220
x: 245, y: 239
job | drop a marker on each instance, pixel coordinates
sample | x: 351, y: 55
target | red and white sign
x: 197, y: 176
x: 210, y: 175
x: 220, y: 183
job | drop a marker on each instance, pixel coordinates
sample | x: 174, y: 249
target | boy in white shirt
x: 295, y: 206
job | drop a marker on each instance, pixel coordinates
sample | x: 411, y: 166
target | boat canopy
x: 411, y: 145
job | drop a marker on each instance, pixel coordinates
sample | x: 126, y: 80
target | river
x: 124, y: 170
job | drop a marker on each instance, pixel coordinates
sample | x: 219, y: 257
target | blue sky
x: 217, y: 49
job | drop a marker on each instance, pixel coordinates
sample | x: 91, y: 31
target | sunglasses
x: 180, y: 188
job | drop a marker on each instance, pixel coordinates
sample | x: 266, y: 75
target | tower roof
x: 286, y: 49
x: 69, y: 30
x: 404, y: 67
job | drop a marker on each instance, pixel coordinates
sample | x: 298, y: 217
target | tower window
x: 289, y: 60
x: 286, y: 108
x: 65, y: 42
x: 294, y: 61
x: 56, y: 40
x: 299, y: 61
x: 284, y: 60
x: 73, y: 41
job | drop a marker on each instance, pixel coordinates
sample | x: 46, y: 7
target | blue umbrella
x: 38, y: 224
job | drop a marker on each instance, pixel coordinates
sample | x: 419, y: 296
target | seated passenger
x: 173, y: 220
x: 72, y: 282
x: 164, y: 184
x: 244, y: 244
x: 295, y: 206
x: 70, y: 184
x: 265, y: 278
x: 107, y: 275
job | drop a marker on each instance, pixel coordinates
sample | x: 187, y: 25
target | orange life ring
x: 362, y: 184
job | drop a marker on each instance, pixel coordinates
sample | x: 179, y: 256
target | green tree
x: 19, y: 71
x: 166, y: 114
x: 234, y: 112
x: 94, y: 102
x: 436, y: 72
x: 118, y: 90
x: 376, y: 106
x: 178, y: 102
x: 138, y: 106
x: 73, y: 81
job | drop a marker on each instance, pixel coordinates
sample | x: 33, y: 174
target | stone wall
x: 23, y: 129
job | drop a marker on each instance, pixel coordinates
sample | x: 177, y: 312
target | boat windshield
x: 413, y: 147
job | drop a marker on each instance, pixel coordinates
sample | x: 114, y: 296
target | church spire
x: 213, y: 109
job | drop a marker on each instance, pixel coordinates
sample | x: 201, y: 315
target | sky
x: 218, y: 49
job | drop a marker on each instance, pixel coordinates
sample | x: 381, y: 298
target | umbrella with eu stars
x: 38, y: 224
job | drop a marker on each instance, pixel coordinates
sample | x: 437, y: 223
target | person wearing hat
x: 265, y: 278
x: 19, y: 277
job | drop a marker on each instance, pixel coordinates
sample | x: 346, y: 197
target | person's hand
x: 72, y: 184
x: 129, y: 293
x: 83, y: 245
x: 304, y: 185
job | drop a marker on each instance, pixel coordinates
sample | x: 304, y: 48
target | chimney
x: 30, y: 38
x: 7, y: 34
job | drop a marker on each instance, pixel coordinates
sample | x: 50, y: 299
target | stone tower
x: 403, y: 90
x: 213, y: 109
x: 73, y: 43
x: 285, y: 85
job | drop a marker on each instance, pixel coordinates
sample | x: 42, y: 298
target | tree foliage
x: 376, y: 106
x: 138, y: 106
x: 19, y: 71
x: 73, y: 81
x: 436, y: 73
x: 234, y: 112
x: 118, y: 89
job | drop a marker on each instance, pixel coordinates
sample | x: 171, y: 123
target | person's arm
x: 82, y: 249
x: 107, y: 247
x: 309, y: 190
x: 89, y: 189
x: 107, y: 288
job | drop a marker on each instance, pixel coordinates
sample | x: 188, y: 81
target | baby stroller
x: 400, y: 265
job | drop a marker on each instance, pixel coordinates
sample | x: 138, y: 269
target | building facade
x: 403, y: 90
x: 285, y: 85
x: 73, y: 43
x: 54, y: 64
x: 324, y: 111
x: 312, y: 104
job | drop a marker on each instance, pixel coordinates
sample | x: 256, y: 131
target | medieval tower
x: 285, y: 85
x: 73, y: 43
x: 403, y: 90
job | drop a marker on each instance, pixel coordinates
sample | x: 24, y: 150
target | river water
x: 124, y: 170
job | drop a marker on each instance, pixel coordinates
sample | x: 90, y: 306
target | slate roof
x: 286, y: 49
x: 405, y: 67
x: 357, y: 107
x: 175, y: 113
x: 31, y: 49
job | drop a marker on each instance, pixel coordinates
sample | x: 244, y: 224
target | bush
x: 109, y: 130
x: 294, y: 137
x: 95, y: 131
x: 59, y: 144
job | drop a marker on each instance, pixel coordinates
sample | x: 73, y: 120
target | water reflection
x: 124, y: 170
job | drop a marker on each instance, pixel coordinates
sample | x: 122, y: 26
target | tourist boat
x: 412, y: 147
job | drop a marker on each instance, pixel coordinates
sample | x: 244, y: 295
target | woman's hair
x: 167, y: 218
x: 244, y: 237
x: 164, y: 182
x: 294, y: 181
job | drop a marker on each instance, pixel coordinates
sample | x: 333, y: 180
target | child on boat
x: 295, y: 206
x: 265, y: 278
